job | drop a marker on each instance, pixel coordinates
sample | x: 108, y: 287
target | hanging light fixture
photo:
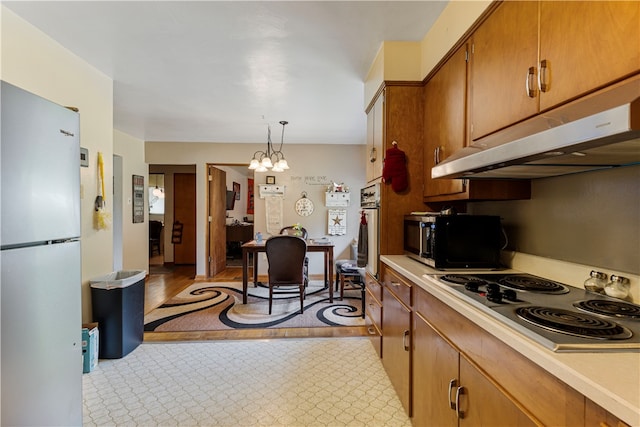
x: 272, y: 159
x: 158, y: 191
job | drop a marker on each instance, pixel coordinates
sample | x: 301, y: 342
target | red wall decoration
x: 250, y: 196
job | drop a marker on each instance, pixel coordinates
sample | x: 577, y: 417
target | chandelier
x: 272, y: 159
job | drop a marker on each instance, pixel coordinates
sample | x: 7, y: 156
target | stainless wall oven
x: 370, y: 204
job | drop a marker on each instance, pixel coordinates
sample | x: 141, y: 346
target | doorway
x: 183, y: 233
x: 229, y: 224
x: 156, y: 194
x: 181, y: 202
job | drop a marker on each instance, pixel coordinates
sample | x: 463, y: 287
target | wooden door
x: 483, y: 404
x: 217, y: 192
x: 435, y: 365
x: 184, y: 211
x: 587, y: 45
x: 504, y: 50
x: 396, y: 329
x: 445, y: 121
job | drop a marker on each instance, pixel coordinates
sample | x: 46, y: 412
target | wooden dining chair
x: 286, y: 255
x: 300, y: 232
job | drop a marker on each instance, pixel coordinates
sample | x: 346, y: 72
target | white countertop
x: 610, y: 379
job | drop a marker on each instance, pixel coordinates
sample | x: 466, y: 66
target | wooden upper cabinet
x: 504, y: 52
x: 375, y: 139
x: 586, y: 46
x: 529, y: 57
x: 445, y: 132
x: 445, y: 121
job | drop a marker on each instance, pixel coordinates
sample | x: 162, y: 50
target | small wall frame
x: 138, y: 192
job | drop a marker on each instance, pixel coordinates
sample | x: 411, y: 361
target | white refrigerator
x: 40, y: 287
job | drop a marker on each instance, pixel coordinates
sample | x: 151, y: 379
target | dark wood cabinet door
x: 435, y: 365
x: 504, y: 51
x: 445, y: 121
x: 587, y: 45
x: 184, y: 211
x: 482, y: 404
x: 396, y: 338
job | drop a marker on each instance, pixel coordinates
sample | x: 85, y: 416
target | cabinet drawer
x: 398, y: 285
x: 373, y: 310
x: 374, y: 287
x: 372, y: 321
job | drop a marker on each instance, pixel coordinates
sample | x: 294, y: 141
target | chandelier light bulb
x: 254, y: 164
x: 266, y: 162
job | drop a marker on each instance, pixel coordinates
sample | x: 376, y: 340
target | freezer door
x: 40, y: 184
x: 41, y: 336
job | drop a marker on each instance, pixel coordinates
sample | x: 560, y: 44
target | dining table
x: 253, y: 247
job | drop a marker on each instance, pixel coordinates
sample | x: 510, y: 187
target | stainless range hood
x: 596, y: 132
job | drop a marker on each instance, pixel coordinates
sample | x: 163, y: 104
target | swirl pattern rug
x: 218, y: 306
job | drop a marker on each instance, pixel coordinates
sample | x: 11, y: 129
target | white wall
x: 33, y: 61
x: 413, y: 61
x: 135, y: 237
x: 450, y: 26
x: 311, y: 167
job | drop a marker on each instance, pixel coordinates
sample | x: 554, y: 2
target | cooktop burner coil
x: 619, y: 309
x: 573, y: 323
x: 461, y: 279
x: 533, y: 284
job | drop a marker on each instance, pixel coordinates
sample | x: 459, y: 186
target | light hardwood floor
x: 161, y: 287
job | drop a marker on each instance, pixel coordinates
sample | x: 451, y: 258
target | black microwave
x: 454, y: 241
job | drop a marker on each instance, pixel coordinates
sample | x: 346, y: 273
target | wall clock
x: 304, y: 206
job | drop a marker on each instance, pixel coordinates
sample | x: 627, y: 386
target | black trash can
x: 117, y: 301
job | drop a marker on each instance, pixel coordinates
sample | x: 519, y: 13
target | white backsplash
x: 565, y: 272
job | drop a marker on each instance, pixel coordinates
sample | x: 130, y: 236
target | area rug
x: 218, y: 306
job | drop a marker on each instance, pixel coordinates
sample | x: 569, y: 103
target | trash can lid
x: 118, y: 279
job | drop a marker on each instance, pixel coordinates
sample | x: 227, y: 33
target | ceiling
x: 222, y: 71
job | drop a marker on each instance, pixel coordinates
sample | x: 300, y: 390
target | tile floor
x: 285, y: 382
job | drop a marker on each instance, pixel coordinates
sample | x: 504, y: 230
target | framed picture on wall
x: 236, y: 189
x: 138, y: 198
x: 271, y: 179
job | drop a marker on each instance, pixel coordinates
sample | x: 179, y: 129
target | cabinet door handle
x: 395, y: 284
x: 542, y: 76
x: 529, y: 86
x: 453, y: 383
x: 405, y: 340
x: 436, y: 156
x: 459, y: 412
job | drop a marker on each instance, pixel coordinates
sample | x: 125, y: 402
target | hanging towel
x: 394, y: 169
x: 363, y: 242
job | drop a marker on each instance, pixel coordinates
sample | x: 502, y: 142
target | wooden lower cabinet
x: 596, y: 416
x: 498, y: 386
x: 435, y: 365
x: 449, y: 391
x: 373, y: 312
x: 396, y: 342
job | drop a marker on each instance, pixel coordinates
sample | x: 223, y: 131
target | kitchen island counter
x: 610, y: 379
